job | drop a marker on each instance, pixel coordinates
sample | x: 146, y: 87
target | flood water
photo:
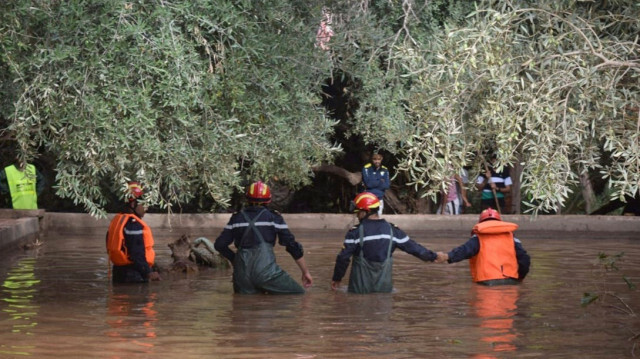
x: 57, y: 301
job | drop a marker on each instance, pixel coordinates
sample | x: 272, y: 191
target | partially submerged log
x: 188, y: 257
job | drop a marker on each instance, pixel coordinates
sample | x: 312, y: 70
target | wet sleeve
x: 134, y: 242
x: 224, y: 240
x: 287, y: 239
x: 344, y: 257
x: 465, y: 251
x: 524, y: 261
x: 402, y: 241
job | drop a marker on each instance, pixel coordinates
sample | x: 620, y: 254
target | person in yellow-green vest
x: 22, y: 183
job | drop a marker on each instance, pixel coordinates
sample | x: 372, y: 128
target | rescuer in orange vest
x: 495, y: 255
x: 130, y: 242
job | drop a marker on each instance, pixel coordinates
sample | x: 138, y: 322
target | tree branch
x: 352, y: 177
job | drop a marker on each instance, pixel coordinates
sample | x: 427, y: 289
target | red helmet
x: 258, y: 192
x: 134, y: 191
x: 366, y: 201
x: 488, y: 214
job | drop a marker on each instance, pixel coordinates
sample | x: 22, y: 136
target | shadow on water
x: 57, y: 301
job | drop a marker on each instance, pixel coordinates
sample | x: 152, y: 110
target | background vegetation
x: 197, y: 98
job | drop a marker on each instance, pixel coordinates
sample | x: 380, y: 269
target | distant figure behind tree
x: 23, y: 183
x: 375, y: 178
x: 494, y: 185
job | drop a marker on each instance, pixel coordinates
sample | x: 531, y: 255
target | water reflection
x: 19, y: 290
x: 496, y: 307
x: 132, y: 318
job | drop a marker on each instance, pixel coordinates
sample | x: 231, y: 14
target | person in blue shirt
x: 375, y: 178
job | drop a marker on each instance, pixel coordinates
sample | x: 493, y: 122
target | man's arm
x: 524, y: 261
x: 223, y: 242
x: 134, y: 242
x: 385, y: 180
x: 286, y: 238
x: 465, y: 251
x: 481, y: 182
x: 343, y: 258
x: 369, y: 180
x: 463, y: 191
x: 307, y: 281
x: 412, y: 247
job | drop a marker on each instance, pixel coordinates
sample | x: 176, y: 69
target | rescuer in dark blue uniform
x: 371, y: 245
x: 253, y: 231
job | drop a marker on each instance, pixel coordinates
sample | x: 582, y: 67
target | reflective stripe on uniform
x: 133, y: 233
x: 376, y: 237
x: 257, y: 224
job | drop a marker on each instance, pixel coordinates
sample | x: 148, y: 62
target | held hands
x: 442, y: 257
x: 307, y: 281
x: 154, y: 276
x: 335, y: 285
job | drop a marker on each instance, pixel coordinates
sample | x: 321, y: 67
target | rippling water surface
x: 57, y: 301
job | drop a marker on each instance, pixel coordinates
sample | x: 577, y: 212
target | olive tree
x: 552, y: 86
x: 190, y: 98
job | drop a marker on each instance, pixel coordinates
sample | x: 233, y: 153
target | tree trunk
x: 587, y: 192
x: 516, y: 193
x: 393, y: 202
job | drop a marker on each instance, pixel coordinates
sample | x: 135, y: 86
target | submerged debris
x: 31, y: 245
x: 187, y: 257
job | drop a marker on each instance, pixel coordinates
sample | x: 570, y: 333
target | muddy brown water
x: 57, y: 302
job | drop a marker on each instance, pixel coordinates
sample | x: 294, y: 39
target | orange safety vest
x: 497, y: 256
x: 115, y: 240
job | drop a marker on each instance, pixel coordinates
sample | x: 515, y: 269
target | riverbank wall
x: 20, y: 227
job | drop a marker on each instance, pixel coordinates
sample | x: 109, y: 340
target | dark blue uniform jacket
x: 270, y: 224
x: 376, y: 243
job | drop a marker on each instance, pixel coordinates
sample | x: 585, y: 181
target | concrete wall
x: 17, y: 227
x: 619, y: 225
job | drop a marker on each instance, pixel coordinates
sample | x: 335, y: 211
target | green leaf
x: 588, y: 298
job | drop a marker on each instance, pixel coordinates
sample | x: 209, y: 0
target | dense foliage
x: 189, y: 97
x: 550, y: 85
x: 195, y: 98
